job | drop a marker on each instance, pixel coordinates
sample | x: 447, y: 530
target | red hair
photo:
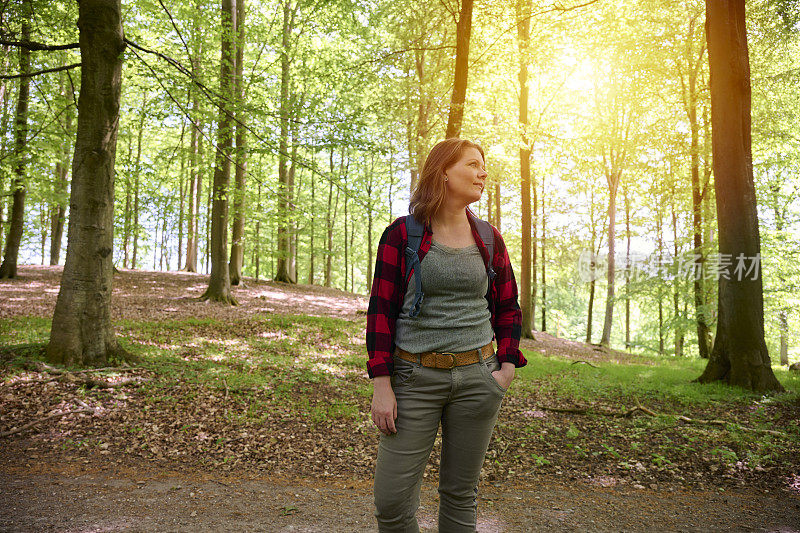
x: 429, y: 193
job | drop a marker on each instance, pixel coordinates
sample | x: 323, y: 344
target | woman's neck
x: 450, y: 217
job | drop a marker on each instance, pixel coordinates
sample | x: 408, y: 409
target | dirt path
x: 79, y: 495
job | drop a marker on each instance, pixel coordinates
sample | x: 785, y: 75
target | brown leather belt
x: 447, y: 359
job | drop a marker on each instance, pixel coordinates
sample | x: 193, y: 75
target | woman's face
x: 466, y: 177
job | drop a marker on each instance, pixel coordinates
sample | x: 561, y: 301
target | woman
x: 433, y: 360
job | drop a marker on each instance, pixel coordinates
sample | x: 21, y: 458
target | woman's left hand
x: 505, y: 375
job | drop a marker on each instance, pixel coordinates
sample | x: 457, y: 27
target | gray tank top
x: 454, y: 316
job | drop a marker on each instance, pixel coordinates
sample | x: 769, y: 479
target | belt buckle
x: 452, y: 360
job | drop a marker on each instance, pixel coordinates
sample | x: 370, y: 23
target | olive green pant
x: 466, y: 400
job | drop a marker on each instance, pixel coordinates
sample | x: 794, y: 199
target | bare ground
x: 47, y: 486
x: 60, y: 493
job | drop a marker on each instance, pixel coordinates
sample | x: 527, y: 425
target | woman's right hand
x: 384, y: 405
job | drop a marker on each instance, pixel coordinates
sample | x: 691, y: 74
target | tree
x: 739, y: 356
x: 237, y: 233
x: 463, y: 32
x: 219, y: 283
x: 692, y: 69
x: 285, y: 256
x: 8, y: 268
x: 81, y: 332
x: 59, y: 208
x: 523, y: 41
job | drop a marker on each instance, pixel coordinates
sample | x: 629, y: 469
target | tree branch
x: 39, y: 46
x: 46, y: 71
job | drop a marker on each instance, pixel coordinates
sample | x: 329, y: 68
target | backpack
x: 415, y: 230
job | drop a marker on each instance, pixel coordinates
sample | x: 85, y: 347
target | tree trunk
x: 81, y: 332
x: 136, y: 172
x: 691, y: 102
x: 627, y: 202
x: 3, y: 127
x: 605, y: 340
x: 783, y: 325
x: 463, y: 32
x: 195, y: 183
x: 219, y: 283
x: 329, y: 230
x: 497, y: 206
x: 370, y: 184
x: 676, y: 286
x: 237, y: 234
x: 284, y: 192
x: 257, y: 243
x: 183, y: 195
x: 58, y: 210
x: 590, y: 313
x: 329, y: 221
x: 423, y: 110
x: 660, y: 248
x: 126, y: 225
x: 311, y: 239
x: 523, y: 41
x: 739, y: 356
x: 291, y: 263
x: 544, y: 272
x: 8, y: 268
x: 346, y: 242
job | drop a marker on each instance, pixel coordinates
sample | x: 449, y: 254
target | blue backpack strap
x: 414, y: 230
x: 487, y: 236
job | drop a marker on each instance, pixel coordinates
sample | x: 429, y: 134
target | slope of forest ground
x: 273, y: 393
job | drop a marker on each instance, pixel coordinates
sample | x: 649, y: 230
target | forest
x: 312, y: 119
x: 643, y: 167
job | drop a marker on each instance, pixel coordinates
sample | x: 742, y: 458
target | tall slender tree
x: 284, y: 251
x: 459, y: 96
x: 237, y: 233
x: 8, y: 268
x: 523, y: 13
x: 219, y: 283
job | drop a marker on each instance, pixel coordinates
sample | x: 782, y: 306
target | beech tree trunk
x: 219, y: 283
x: 136, y: 171
x: 312, y: 230
x: 8, y: 268
x: 195, y: 182
x: 739, y: 356
x: 58, y: 210
x: 676, y: 285
x: 544, y: 271
x: 237, y: 233
x: 81, y: 332
x: 694, y: 65
x: 523, y: 42
x: 463, y: 32
x: 3, y: 126
x: 605, y: 340
x: 283, y: 273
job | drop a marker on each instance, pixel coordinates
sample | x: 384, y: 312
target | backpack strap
x: 487, y: 236
x: 414, y: 230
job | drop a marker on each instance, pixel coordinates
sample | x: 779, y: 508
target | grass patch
x: 668, y: 380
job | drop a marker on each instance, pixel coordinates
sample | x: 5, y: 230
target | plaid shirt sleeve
x: 507, y: 316
x: 384, y: 299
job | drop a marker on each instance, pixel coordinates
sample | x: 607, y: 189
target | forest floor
x: 255, y: 418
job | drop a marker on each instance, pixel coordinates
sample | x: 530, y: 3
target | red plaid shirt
x: 391, y: 282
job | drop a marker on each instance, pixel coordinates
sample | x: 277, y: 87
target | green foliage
x: 367, y: 88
